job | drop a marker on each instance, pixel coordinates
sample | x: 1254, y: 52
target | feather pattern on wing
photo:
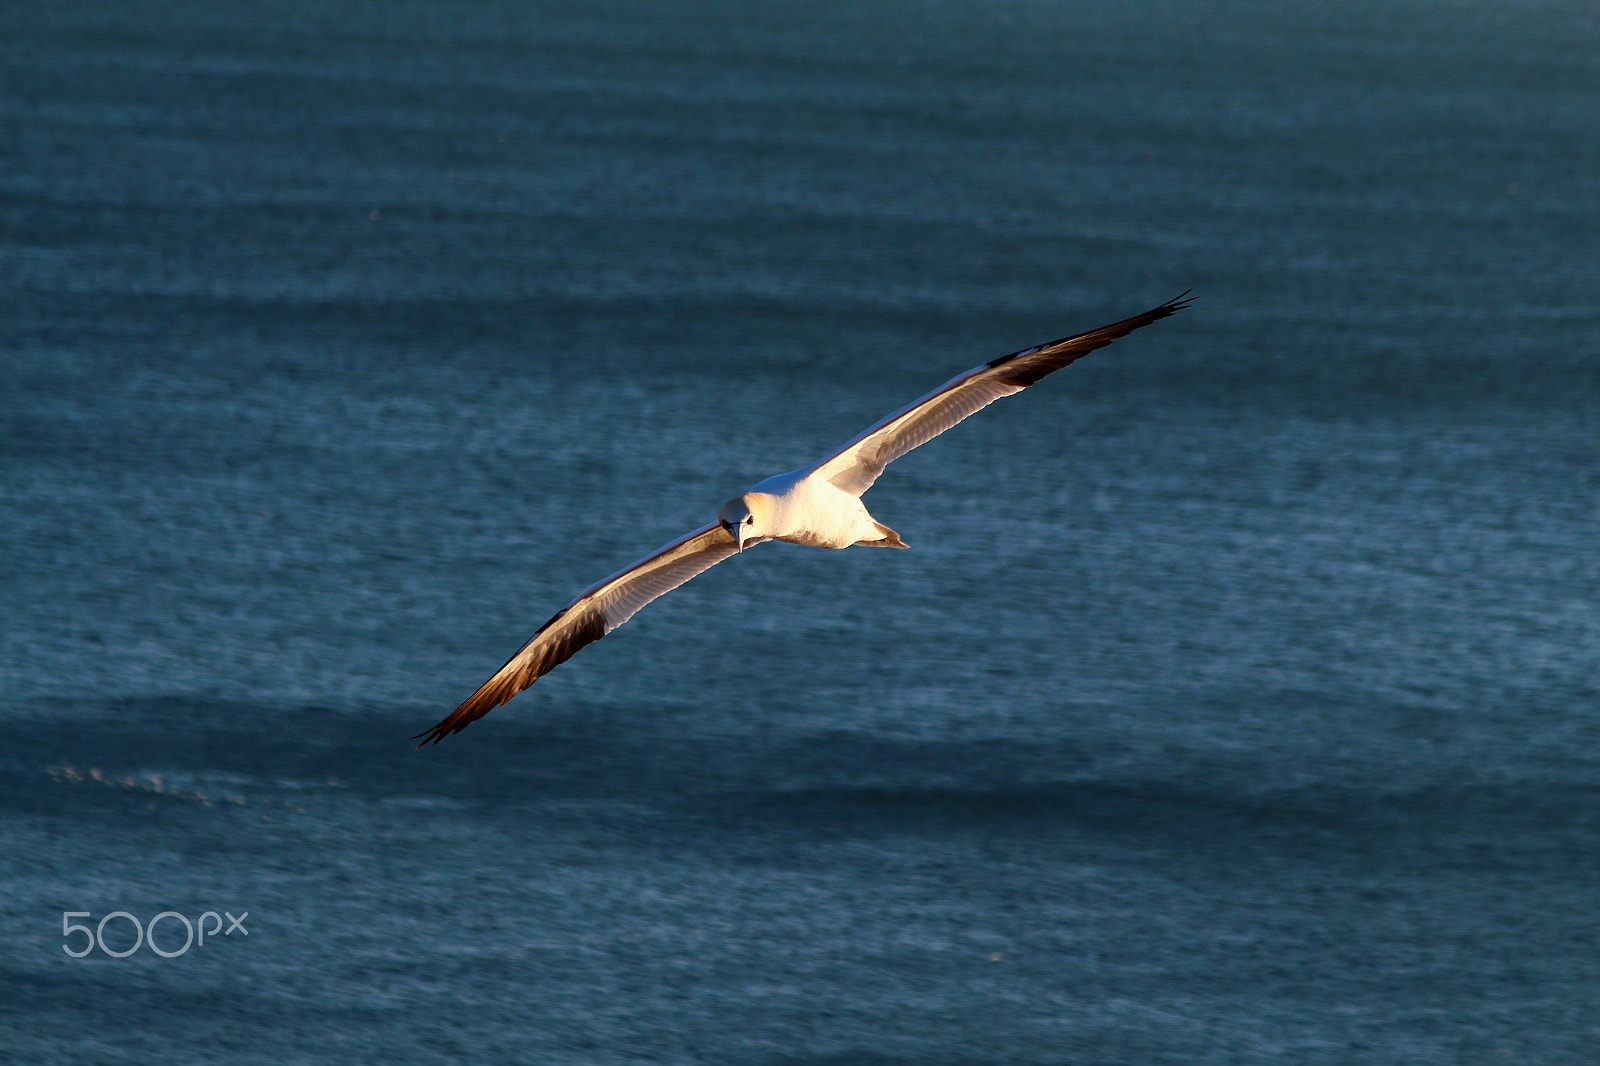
x: 596, y: 611
x: 857, y: 465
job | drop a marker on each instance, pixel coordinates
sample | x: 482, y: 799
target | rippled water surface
x: 1236, y: 703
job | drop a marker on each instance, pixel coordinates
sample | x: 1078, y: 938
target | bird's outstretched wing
x: 857, y: 465
x: 596, y: 611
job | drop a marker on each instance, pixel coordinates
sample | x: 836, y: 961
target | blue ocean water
x: 1238, y: 701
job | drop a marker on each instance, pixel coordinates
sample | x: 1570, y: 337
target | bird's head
x: 742, y: 517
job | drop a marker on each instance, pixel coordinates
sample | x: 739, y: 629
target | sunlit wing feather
x: 596, y: 611
x: 857, y: 465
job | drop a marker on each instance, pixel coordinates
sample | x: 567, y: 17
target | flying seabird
x: 819, y: 505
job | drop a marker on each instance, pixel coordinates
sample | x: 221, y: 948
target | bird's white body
x: 818, y: 505
x: 802, y: 507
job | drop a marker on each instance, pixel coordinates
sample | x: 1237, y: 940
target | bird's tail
x: 889, y: 539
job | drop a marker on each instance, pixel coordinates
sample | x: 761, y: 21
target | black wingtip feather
x: 583, y: 627
x: 1032, y: 364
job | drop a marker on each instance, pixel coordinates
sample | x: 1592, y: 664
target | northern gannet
x: 819, y: 505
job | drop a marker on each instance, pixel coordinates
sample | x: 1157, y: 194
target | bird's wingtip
x: 496, y: 691
x: 430, y: 736
x: 455, y: 722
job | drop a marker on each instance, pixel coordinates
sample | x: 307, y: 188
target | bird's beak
x: 738, y: 536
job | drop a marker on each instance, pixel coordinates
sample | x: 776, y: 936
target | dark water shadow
x: 698, y: 790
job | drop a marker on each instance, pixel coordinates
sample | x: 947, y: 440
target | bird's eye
x: 750, y: 520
